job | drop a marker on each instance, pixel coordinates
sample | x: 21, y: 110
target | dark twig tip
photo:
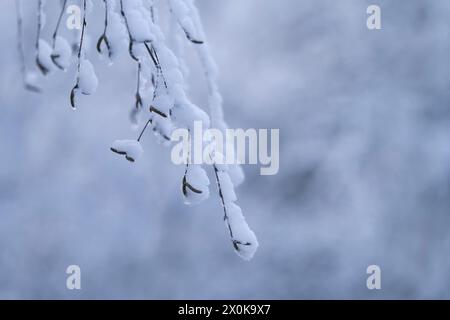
x: 157, y: 111
x: 117, y: 151
x: 72, y: 97
x: 190, y: 38
x: 187, y: 185
x: 54, y: 58
x: 41, y: 67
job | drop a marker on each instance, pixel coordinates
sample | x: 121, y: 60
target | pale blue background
x: 364, y: 179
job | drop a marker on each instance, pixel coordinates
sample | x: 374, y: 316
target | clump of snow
x: 243, y: 239
x: 116, y: 32
x: 137, y: 23
x: 131, y: 149
x: 162, y: 128
x: 31, y: 81
x: 162, y: 105
x: 186, y: 114
x: 195, y: 185
x: 88, y: 81
x: 236, y: 174
x: 185, y: 17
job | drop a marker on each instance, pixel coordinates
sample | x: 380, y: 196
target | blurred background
x: 364, y: 119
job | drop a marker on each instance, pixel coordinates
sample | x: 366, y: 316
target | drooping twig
x: 103, y: 37
x: 132, y: 41
x: 150, y: 121
x: 186, y: 185
x: 54, y: 56
x: 138, y: 103
x: 138, y: 98
x: 41, y: 67
x: 23, y: 68
x: 55, y: 33
x: 208, y: 65
x: 19, y: 38
x: 130, y: 36
x: 152, y: 13
x: 80, y: 49
x: 143, y: 130
x: 154, y: 56
x: 236, y: 243
x: 188, y: 35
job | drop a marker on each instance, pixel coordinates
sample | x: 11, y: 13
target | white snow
x: 131, y: 149
x: 116, y: 31
x: 197, y: 178
x: 32, y: 81
x: 243, y: 237
x: 162, y: 127
x: 163, y: 103
x: 215, y: 98
x: 184, y: 17
x: 88, y: 81
x: 137, y: 22
x: 185, y: 115
x: 227, y: 187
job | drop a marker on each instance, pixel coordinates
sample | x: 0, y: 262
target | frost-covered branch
x: 242, y: 237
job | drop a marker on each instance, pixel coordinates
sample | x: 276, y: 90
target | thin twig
x: 21, y: 51
x: 138, y: 103
x: 80, y: 49
x: 54, y: 56
x: 143, y: 130
x: 154, y: 56
x: 235, y: 242
x: 186, y: 32
x: 55, y: 33
x: 130, y: 36
x: 103, y: 37
x: 186, y: 185
x: 41, y: 67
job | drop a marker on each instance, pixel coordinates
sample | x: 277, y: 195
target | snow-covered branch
x: 161, y: 88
